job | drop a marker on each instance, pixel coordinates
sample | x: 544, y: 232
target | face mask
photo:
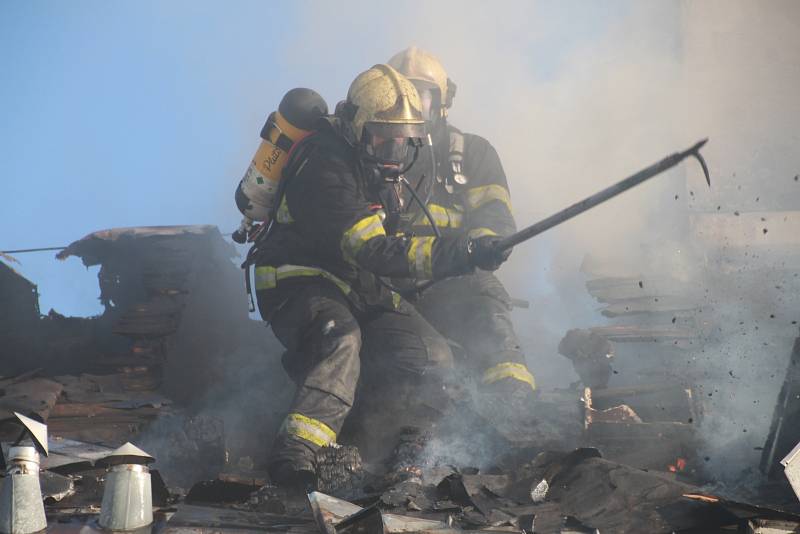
x: 431, y: 99
x: 389, y: 157
x: 388, y: 152
x: 390, y: 149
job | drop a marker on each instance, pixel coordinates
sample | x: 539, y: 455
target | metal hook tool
x: 606, y: 194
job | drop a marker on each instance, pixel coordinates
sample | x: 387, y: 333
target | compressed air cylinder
x: 298, y: 111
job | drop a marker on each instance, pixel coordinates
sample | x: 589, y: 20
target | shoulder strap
x: 326, y: 133
x: 456, y: 156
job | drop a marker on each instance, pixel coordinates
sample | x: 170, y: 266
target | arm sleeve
x: 331, y: 211
x: 486, y: 198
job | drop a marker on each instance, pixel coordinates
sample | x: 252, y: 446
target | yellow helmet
x: 425, y: 69
x: 382, y: 102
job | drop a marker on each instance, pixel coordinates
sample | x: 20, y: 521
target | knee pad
x: 440, y: 357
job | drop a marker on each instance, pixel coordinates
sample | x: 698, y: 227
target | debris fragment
x: 339, y: 470
x: 219, y: 491
x: 791, y: 468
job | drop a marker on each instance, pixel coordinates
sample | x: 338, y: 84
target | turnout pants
x: 332, y: 347
x: 475, y: 311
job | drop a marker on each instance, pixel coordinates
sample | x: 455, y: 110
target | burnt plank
x: 75, y: 409
x: 649, y: 305
x: 146, y: 325
x: 208, y: 517
x: 37, y: 395
x: 636, y: 333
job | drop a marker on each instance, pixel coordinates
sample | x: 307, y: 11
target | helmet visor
x: 431, y: 99
x: 388, y: 151
x: 391, y: 144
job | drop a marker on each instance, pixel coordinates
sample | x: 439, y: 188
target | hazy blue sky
x: 146, y: 113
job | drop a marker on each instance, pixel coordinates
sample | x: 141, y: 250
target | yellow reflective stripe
x: 267, y: 277
x: 311, y: 430
x: 358, y: 234
x: 412, y: 255
x: 480, y: 232
x: 443, y: 217
x: 427, y: 258
x: 289, y: 271
x: 513, y: 370
x: 283, y: 216
x: 478, y: 196
x: 420, y: 263
x: 396, y: 299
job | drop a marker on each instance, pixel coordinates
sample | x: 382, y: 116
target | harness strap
x: 456, y: 156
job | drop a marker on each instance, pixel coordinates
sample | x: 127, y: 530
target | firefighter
x: 318, y: 271
x: 469, y: 196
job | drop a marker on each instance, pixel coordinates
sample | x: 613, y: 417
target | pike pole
x: 606, y: 194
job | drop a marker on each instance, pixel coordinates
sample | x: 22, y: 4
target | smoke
x: 224, y: 373
x: 573, y: 99
x: 575, y: 96
x: 740, y: 66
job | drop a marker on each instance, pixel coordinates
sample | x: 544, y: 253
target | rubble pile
x: 174, y: 312
x: 619, y: 453
x: 154, y: 281
x: 98, y: 408
x: 650, y: 427
x: 551, y: 492
x: 712, y: 314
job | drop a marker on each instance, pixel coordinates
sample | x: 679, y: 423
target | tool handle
x: 601, y: 196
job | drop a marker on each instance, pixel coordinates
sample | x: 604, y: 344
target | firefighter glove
x: 484, y: 253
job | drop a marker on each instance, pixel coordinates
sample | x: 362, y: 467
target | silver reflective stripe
x: 290, y: 271
x: 283, y: 216
x: 267, y: 277
x: 309, y: 429
x: 478, y: 196
x: 442, y: 217
x: 480, y: 232
x: 420, y: 262
x: 358, y: 234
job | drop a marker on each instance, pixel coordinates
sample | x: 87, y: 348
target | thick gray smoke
x: 575, y: 96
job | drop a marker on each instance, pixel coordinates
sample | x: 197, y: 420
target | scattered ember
x: 680, y: 465
x: 412, y: 470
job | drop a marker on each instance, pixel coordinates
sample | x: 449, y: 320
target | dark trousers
x: 474, y: 311
x: 396, y: 356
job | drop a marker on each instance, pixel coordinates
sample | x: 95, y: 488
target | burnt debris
x: 608, y: 454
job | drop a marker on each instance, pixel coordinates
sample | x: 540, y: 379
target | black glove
x: 484, y: 253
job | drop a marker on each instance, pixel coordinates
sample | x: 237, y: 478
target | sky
x: 147, y: 113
